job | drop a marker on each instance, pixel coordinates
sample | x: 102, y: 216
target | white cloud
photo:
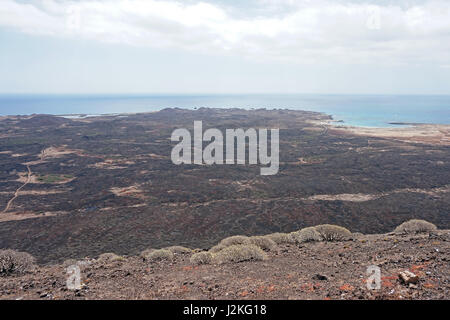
x: 304, y: 32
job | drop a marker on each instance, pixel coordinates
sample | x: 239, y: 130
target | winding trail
x: 41, y: 156
x: 16, y: 194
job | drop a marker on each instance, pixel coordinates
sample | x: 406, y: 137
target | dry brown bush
x: 15, y: 262
x: 263, y: 242
x: 110, y: 257
x: 280, y: 238
x: 157, y: 255
x: 415, y: 226
x: 179, y: 249
x: 201, y: 258
x: 239, y: 253
x: 330, y: 232
x: 308, y: 234
x: 233, y: 240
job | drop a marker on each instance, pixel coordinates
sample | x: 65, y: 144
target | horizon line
x: 211, y: 94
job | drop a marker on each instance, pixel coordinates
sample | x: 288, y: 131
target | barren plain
x: 76, y: 188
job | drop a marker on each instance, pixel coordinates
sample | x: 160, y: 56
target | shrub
x: 179, y: 249
x: 217, y: 248
x: 415, y: 226
x: 239, y: 253
x: 280, y: 238
x: 157, y: 255
x: 263, y: 242
x: 235, y: 240
x: 146, y: 252
x: 110, y: 257
x: 12, y: 261
x: 330, y: 232
x: 230, y: 241
x: 201, y: 258
x: 306, y: 235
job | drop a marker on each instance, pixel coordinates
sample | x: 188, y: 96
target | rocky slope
x: 313, y: 270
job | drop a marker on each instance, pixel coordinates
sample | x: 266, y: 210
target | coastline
x: 124, y: 166
x: 424, y: 133
x: 438, y: 134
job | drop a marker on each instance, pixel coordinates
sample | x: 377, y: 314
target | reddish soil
x: 320, y: 270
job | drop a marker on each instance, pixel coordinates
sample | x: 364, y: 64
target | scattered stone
x: 408, y: 277
x: 320, y: 277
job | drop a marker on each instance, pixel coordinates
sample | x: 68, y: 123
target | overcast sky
x: 230, y: 46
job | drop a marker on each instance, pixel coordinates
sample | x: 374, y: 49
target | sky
x: 230, y: 46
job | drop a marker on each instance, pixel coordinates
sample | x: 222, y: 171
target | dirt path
x: 42, y: 156
x: 16, y: 194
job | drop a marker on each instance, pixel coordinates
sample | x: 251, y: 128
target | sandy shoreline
x: 436, y: 134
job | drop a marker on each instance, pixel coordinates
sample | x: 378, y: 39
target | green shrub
x: 12, y: 261
x: 263, y: 242
x: 157, y: 255
x: 280, y: 238
x: 308, y: 234
x: 415, y: 226
x: 201, y: 258
x: 179, y: 249
x: 239, y: 253
x: 330, y: 232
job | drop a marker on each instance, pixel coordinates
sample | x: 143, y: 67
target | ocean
x: 355, y: 110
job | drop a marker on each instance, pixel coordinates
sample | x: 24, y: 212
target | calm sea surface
x: 357, y: 110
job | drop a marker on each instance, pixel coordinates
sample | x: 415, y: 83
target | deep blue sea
x: 356, y: 110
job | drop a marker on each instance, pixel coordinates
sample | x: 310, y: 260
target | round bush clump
x: 229, y: 242
x: 217, y: 248
x: 235, y: 240
x: 308, y: 234
x: 201, y: 258
x: 280, y: 238
x: 179, y: 249
x: 330, y: 232
x: 146, y: 252
x: 239, y: 253
x: 15, y: 262
x: 157, y: 255
x: 110, y: 257
x: 263, y: 242
x: 415, y: 226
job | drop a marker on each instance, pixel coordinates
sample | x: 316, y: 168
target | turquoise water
x: 356, y: 110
